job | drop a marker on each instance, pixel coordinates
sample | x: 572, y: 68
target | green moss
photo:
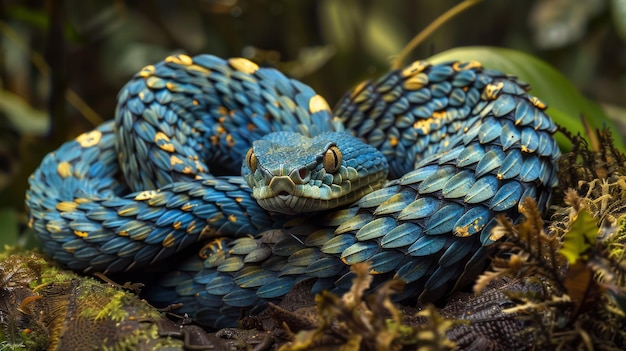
x: 46, y: 307
x: 143, y: 337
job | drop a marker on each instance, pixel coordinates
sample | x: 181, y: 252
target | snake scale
x: 197, y: 140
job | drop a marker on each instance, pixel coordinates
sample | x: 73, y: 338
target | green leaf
x: 566, y: 103
x: 342, y: 20
x: 310, y: 59
x: 382, y: 37
x: 23, y: 117
x: 39, y: 19
x: 35, y: 17
x: 619, y: 17
x: 581, y: 236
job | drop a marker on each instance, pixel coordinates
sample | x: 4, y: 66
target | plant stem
x: 398, y: 62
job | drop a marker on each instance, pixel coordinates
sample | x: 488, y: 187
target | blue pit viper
x: 197, y: 140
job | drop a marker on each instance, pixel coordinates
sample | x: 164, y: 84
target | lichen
x: 43, y: 307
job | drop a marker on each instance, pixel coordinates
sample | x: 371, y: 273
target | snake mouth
x: 282, y: 202
x: 290, y: 198
x: 283, y: 195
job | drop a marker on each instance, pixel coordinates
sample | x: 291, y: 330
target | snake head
x: 290, y: 173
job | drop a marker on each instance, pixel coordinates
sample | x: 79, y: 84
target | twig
x: 398, y: 62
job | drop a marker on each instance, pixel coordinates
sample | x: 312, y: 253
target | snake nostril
x: 302, y: 172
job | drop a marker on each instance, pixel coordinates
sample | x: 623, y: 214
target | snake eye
x: 251, y: 161
x: 332, y: 159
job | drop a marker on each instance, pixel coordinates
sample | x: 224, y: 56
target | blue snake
x: 269, y: 187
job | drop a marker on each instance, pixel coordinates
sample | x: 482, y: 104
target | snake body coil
x: 463, y: 144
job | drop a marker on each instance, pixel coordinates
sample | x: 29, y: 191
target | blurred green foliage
x: 567, y: 106
x: 62, y: 62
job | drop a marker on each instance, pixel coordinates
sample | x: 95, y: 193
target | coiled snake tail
x: 461, y: 143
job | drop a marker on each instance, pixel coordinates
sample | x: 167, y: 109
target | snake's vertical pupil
x: 332, y: 159
x: 251, y: 161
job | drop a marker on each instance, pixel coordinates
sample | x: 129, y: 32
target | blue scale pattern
x: 463, y: 144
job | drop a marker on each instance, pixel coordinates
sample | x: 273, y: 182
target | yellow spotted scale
x: 251, y: 177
